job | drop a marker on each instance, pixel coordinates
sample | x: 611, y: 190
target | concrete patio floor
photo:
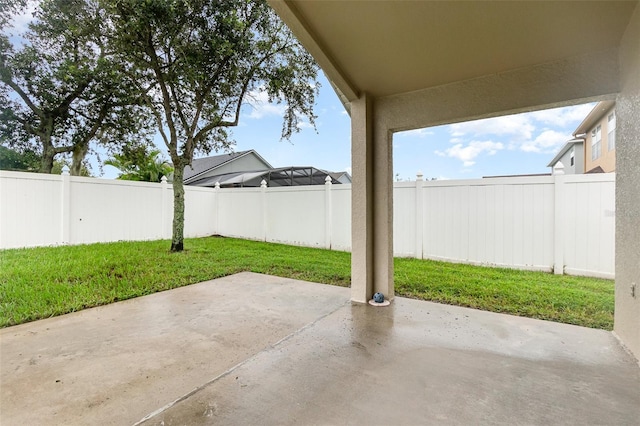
x: 255, y: 349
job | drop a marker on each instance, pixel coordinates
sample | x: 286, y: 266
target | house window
x: 573, y: 156
x: 611, y: 126
x: 596, y: 143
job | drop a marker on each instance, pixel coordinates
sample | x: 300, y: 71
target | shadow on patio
x: 256, y: 349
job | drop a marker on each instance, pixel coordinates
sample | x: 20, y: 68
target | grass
x: 43, y: 282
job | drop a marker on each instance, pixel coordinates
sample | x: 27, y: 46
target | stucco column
x: 627, y: 309
x: 371, y: 205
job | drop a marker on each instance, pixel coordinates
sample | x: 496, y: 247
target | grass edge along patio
x: 42, y: 282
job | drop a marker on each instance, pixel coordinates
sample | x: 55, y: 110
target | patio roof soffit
x: 401, y: 52
x: 298, y: 25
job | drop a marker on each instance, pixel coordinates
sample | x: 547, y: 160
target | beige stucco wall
x: 607, y: 159
x: 371, y: 203
x: 627, y: 310
x: 361, y: 200
x: 564, y: 82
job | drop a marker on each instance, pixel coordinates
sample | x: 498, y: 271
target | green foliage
x: 8, y: 9
x: 58, y: 165
x: 29, y: 161
x: 41, y: 282
x: 61, y: 86
x: 139, y: 164
x: 196, y: 63
x: 26, y: 161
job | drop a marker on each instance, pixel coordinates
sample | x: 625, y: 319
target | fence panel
x: 105, y: 211
x: 30, y: 209
x: 240, y: 213
x: 496, y: 222
x: 404, y: 219
x: 296, y: 215
x: 341, y: 217
x: 589, y: 228
x: 199, y: 211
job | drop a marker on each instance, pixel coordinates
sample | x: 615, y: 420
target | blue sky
x: 514, y: 144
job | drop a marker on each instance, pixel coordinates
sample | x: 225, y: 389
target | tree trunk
x: 46, y: 164
x: 177, y: 240
x: 79, y: 152
x: 44, y: 133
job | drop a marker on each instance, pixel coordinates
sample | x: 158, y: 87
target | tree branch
x: 166, y: 99
x: 178, y: 106
x: 37, y: 111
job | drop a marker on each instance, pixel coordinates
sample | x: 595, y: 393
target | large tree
x: 198, y: 61
x: 61, y: 85
x: 9, y: 9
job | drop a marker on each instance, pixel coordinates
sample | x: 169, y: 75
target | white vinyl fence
x: 564, y: 223
x: 40, y: 210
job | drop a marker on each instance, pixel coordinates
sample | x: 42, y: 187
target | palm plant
x: 141, y: 166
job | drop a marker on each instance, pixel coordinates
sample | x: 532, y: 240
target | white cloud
x: 421, y: 133
x: 563, y: 117
x: 519, y: 125
x: 303, y: 124
x: 261, y: 107
x: 537, y: 132
x: 258, y: 100
x: 21, y: 21
x: 467, y: 154
x: 549, y: 142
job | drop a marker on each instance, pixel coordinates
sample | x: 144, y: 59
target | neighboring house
x: 599, y: 132
x: 593, y: 149
x: 341, y: 177
x: 571, y: 156
x: 249, y: 169
x: 203, y: 168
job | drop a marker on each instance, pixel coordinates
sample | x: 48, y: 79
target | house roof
x: 593, y: 117
x: 337, y: 175
x: 282, y: 176
x: 597, y: 169
x: 515, y: 176
x: 200, y: 166
x: 564, y: 149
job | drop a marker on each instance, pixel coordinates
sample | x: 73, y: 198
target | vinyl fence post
x: 163, y: 208
x: 216, y: 212
x: 65, y: 206
x: 419, y: 219
x: 559, y: 219
x: 327, y: 212
x: 263, y: 190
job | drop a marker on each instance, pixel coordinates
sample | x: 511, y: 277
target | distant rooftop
x: 201, y: 165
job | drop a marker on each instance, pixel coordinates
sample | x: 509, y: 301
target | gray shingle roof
x: 201, y: 165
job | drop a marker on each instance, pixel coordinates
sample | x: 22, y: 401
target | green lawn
x: 42, y: 282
